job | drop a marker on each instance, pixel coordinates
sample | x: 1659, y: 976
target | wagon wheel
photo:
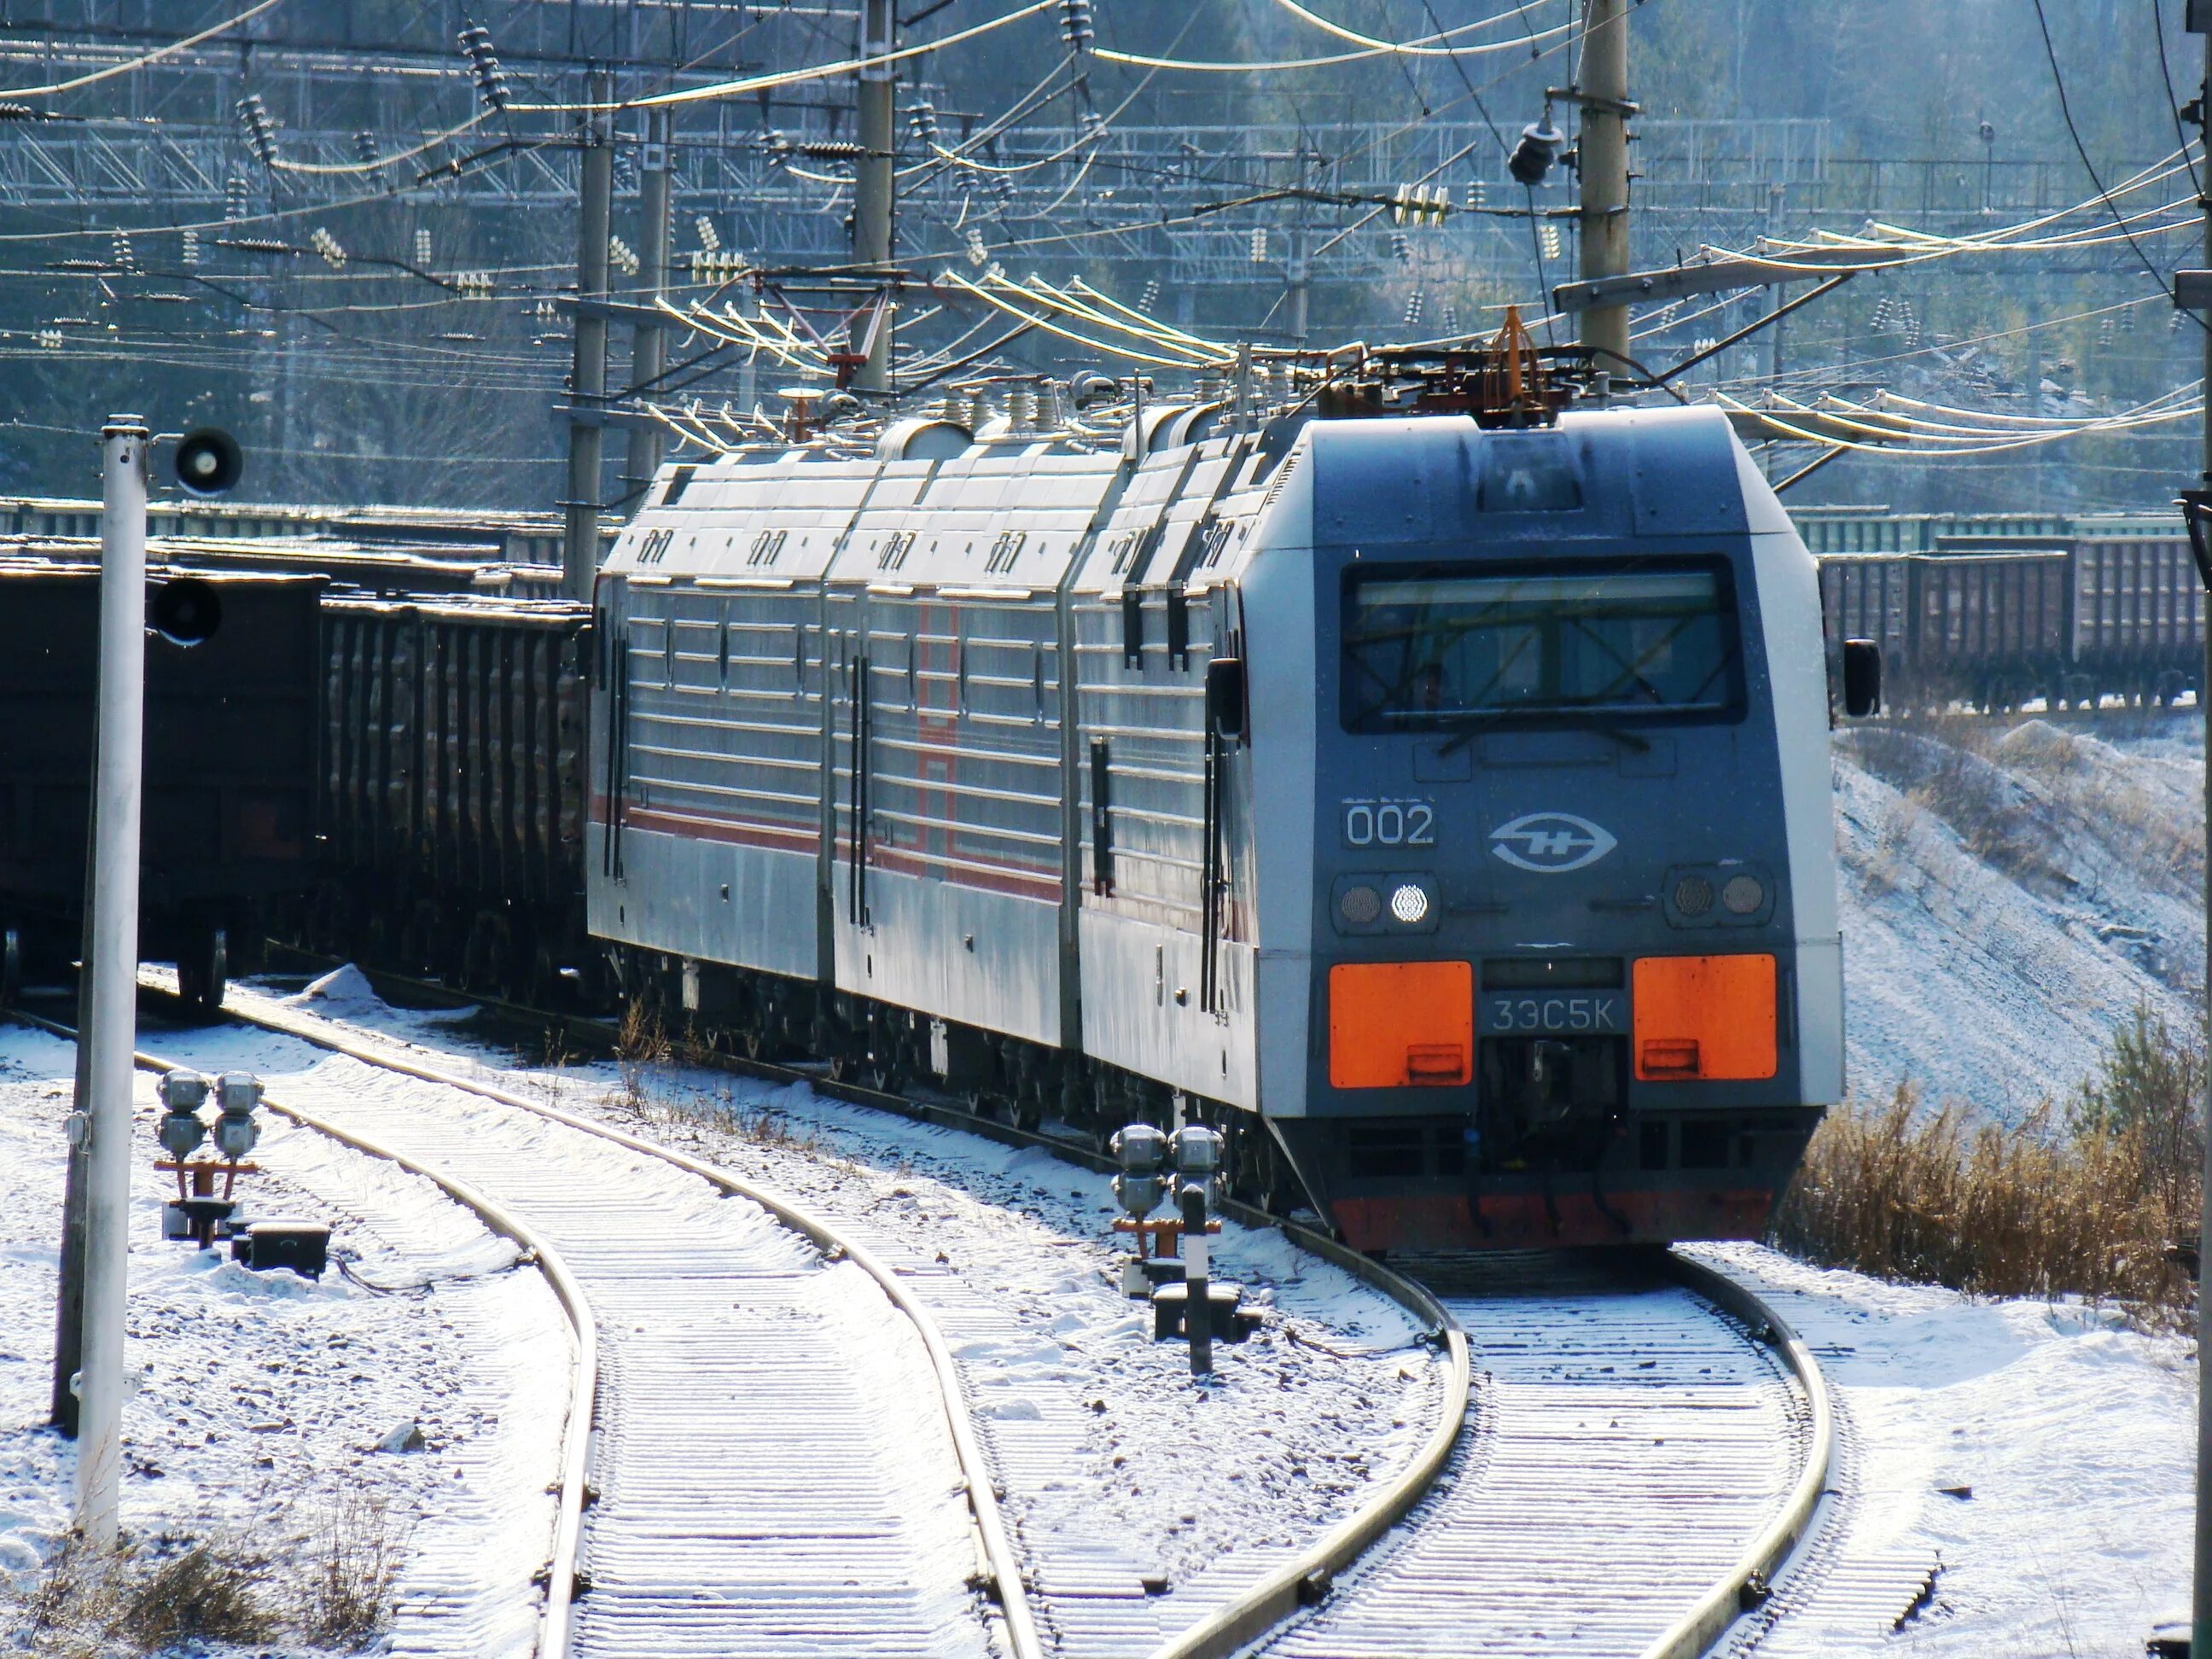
x: 534, y: 978
x: 483, y: 963
x: 203, y: 970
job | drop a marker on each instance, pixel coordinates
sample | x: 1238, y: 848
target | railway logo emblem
x: 1551, y: 843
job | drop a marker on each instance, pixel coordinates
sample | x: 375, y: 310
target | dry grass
x: 2097, y: 1200
x: 333, y: 1589
x: 2006, y: 824
x: 91, y: 1603
x: 641, y: 1043
x: 640, y: 1038
x: 351, y: 1568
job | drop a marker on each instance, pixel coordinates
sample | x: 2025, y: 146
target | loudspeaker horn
x: 185, y: 609
x: 208, y: 461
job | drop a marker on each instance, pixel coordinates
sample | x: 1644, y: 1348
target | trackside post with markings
x: 1197, y: 1307
x: 111, y: 1029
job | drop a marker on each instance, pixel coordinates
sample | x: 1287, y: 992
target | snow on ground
x: 1107, y: 1449
x: 262, y: 1401
x: 2043, y: 1453
x: 2009, y: 897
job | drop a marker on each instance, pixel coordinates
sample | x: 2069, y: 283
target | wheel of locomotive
x: 11, y: 965
x: 203, y: 970
x: 857, y: 1071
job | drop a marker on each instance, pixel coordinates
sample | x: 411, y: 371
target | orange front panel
x: 1703, y: 1018
x: 1395, y: 1025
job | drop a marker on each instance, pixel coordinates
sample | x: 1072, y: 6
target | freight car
x: 485, y: 537
x: 1839, y: 529
x: 380, y: 569
x: 450, y: 792
x: 1993, y: 621
x: 1442, y: 812
x: 229, y: 745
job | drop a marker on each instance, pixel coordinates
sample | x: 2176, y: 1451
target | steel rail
x: 555, y: 1624
x: 1012, y: 1593
x: 1748, y: 1582
x: 1304, y: 1581
x: 1305, y: 1578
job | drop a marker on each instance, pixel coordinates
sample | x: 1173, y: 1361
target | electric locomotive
x: 1442, y: 810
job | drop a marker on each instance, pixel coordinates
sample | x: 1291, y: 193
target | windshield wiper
x: 1469, y: 725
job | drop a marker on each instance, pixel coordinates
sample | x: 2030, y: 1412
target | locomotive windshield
x: 1443, y: 647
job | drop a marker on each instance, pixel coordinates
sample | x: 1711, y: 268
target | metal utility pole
x: 647, y: 345
x: 111, y: 1027
x: 871, y: 182
x: 2198, y: 19
x: 1603, y: 95
x: 587, y: 384
x: 2200, y: 1611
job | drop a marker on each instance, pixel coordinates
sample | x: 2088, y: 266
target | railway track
x: 766, y: 1452
x: 1645, y: 1446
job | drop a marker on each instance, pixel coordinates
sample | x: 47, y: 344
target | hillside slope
x: 2008, y: 897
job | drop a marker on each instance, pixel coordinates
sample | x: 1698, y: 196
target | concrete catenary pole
x: 113, y: 1026
x: 648, y: 350
x: 872, y: 184
x: 69, y: 1299
x: 1301, y: 262
x: 587, y: 385
x: 1604, y: 213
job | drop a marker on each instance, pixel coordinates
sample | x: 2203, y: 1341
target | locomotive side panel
x: 1166, y: 977
x: 948, y: 856
x: 706, y: 819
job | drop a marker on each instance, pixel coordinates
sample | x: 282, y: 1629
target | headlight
x: 1743, y: 895
x: 1693, y: 896
x: 1360, y: 906
x: 1408, y: 904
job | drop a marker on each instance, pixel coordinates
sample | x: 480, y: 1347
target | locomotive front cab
x: 1574, y: 973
